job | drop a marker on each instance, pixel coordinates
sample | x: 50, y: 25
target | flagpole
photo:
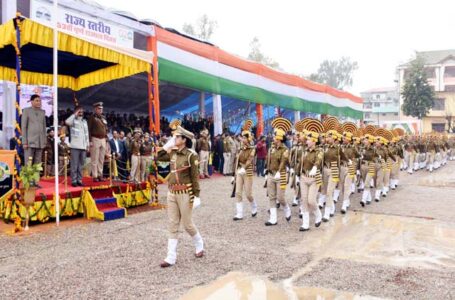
x: 55, y: 111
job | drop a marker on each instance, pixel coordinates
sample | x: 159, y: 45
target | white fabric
x: 273, y: 217
x: 196, y: 202
x: 239, y: 210
x: 277, y: 176
x: 198, y: 242
x: 306, y: 220
x: 313, y: 171
x: 171, y: 251
x: 169, y: 144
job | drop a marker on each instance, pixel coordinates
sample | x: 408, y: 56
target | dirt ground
x: 401, y: 248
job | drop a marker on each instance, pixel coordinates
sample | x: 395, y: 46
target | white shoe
x: 295, y: 202
x: 254, y: 209
x: 345, y: 206
x: 336, y: 195
x: 171, y: 251
x: 317, y: 217
x: 377, y: 195
x: 321, y: 200
x: 198, y: 244
x: 384, y: 191
x: 305, y: 221
x: 365, y: 197
x: 239, y: 211
x: 287, y: 213
x: 327, y: 211
x: 272, y: 218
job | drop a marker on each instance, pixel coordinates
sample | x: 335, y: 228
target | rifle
x: 234, y: 187
x: 268, y: 165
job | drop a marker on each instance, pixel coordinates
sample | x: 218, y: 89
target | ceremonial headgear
x: 281, y: 126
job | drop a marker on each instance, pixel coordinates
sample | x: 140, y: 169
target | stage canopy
x: 197, y: 65
x: 81, y: 63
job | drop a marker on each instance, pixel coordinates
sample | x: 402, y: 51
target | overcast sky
x: 379, y: 35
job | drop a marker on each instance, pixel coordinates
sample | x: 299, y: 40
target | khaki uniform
x: 146, y: 159
x: 294, y: 163
x: 97, y: 128
x: 48, y: 156
x: 276, y: 162
x: 348, y: 169
x: 309, y: 184
x: 135, y: 174
x: 227, y: 146
x: 368, y: 170
x: 183, y: 187
x: 331, y: 172
x: 63, y: 150
x: 204, y: 148
x: 244, y: 182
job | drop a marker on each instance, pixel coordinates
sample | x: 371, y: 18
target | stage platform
x: 94, y: 200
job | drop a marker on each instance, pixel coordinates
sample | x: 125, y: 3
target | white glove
x: 241, y: 171
x: 292, y: 172
x: 350, y: 163
x: 358, y: 172
x: 277, y: 175
x: 313, y: 171
x: 196, y: 202
x: 232, y: 179
x: 169, y: 144
x: 297, y: 180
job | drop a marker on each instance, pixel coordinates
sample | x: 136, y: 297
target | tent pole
x: 55, y: 112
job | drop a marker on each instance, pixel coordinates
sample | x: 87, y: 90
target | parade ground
x: 400, y: 248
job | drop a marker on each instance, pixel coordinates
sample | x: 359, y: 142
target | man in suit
x: 33, y: 128
x: 118, y: 151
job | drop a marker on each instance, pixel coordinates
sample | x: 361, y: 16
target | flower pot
x: 29, y: 195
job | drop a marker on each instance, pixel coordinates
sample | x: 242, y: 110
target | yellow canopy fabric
x: 122, y: 62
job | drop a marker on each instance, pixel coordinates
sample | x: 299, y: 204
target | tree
x: 202, y: 29
x: 335, y: 73
x: 257, y: 55
x: 418, y: 95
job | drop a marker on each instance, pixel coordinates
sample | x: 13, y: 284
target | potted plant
x: 30, y: 175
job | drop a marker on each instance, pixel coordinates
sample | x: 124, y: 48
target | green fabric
x: 178, y: 74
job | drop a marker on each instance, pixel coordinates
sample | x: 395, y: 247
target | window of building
x: 367, y: 106
x: 378, y: 96
x: 439, y: 104
x: 367, y: 115
x: 384, y: 114
x: 395, y: 114
x: 438, y: 127
x: 377, y: 104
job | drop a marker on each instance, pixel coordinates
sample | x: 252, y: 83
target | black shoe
x: 278, y: 205
x: 254, y: 215
x: 270, y: 224
x: 369, y: 202
x: 377, y: 200
x: 300, y: 216
x: 325, y: 220
x: 343, y: 211
x: 317, y: 224
x: 237, y: 219
x: 80, y: 184
x: 362, y: 203
x: 74, y: 184
x: 294, y: 204
x: 384, y: 195
x: 331, y: 215
x: 321, y: 207
x: 288, y: 218
x: 303, y: 229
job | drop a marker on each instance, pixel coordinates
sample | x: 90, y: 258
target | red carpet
x: 47, y: 189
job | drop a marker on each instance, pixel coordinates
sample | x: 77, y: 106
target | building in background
x: 381, y: 106
x: 440, y: 69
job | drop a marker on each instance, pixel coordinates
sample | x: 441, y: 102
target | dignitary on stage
x: 33, y: 127
x: 97, y: 128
